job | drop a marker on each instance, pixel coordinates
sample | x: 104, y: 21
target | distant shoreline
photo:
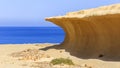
x: 29, y: 43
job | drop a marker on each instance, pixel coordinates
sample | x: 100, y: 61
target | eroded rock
x: 91, y: 32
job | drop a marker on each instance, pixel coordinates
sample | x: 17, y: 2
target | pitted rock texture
x: 91, y: 33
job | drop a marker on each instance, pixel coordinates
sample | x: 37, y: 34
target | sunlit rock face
x: 91, y: 33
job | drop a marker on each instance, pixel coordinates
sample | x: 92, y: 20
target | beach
x: 8, y: 59
x: 59, y: 34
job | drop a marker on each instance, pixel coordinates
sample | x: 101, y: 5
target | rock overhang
x: 91, y: 32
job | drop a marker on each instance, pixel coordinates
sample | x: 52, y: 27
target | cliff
x: 91, y: 33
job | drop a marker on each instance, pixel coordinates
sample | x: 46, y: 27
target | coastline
x: 30, y: 43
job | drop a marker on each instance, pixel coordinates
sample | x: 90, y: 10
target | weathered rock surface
x: 92, y: 33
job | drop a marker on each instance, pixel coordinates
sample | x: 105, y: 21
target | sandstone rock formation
x: 91, y: 33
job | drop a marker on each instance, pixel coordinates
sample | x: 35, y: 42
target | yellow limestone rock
x: 91, y: 33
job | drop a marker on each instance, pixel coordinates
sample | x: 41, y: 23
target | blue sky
x: 32, y: 12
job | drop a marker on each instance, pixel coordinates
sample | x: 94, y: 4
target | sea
x: 31, y: 35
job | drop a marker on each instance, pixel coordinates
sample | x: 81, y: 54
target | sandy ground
x: 8, y: 61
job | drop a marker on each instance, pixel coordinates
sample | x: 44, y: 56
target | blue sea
x: 26, y: 35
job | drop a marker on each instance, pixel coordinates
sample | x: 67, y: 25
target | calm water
x: 20, y: 35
